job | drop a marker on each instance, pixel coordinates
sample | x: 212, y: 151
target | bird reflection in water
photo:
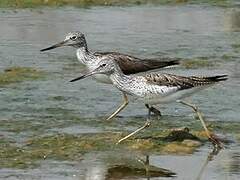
x: 143, y: 170
x: 214, y: 152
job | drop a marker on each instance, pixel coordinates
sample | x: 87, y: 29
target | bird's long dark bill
x: 54, y: 46
x: 82, y: 77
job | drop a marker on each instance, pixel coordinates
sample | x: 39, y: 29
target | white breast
x: 149, y: 93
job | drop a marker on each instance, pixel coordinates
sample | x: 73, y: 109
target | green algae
x: 168, y: 142
x: 89, y: 3
x: 19, y: 74
x: 226, y: 126
x: 12, y: 156
x: 73, y: 147
x: 238, y: 137
x: 57, y: 98
x: 20, y: 126
x: 60, y: 147
x: 40, y: 145
x: 229, y: 57
x: 236, y: 46
x: 198, y: 63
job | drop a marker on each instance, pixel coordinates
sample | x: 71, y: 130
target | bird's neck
x: 82, y: 44
x: 129, y: 84
x: 84, y: 55
x: 119, y: 79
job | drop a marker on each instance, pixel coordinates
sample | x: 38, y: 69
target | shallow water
x: 53, y: 105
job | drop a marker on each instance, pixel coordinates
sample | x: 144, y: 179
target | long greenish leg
x: 145, y: 164
x: 213, y: 138
x: 154, y: 110
x: 146, y: 125
x: 210, y: 157
x: 123, y: 105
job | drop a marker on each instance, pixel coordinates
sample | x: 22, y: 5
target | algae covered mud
x: 53, y: 129
x: 92, y: 3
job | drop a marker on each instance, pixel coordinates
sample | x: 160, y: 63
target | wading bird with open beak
x: 156, y: 88
x: 128, y: 64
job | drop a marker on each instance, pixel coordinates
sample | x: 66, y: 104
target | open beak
x: 54, y: 46
x: 83, y: 76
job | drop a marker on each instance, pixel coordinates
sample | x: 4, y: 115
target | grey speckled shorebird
x: 154, y: 88
x: 128, y: 64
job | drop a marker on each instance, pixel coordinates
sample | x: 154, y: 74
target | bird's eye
x: 73, y: 38
x: 103, y: 65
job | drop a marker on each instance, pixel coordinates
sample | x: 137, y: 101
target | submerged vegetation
x: 42, y: 142
x: 52, y: 128
x: 198, y: 63
x: 64, y: 146
x: 73, y: 147
x: 87, y: 3
x: 19, y: 74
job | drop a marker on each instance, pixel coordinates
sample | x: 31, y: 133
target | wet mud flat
x: 90, y: 3
x: 51, y: 129
x: 82, y: 154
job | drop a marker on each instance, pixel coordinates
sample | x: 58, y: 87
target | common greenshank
x: 156, y: 88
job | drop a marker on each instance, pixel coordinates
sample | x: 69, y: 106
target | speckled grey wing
x: 182, y: 82
x: 132, y: 65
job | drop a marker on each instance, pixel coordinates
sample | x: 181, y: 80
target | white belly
x: 161, y: 99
